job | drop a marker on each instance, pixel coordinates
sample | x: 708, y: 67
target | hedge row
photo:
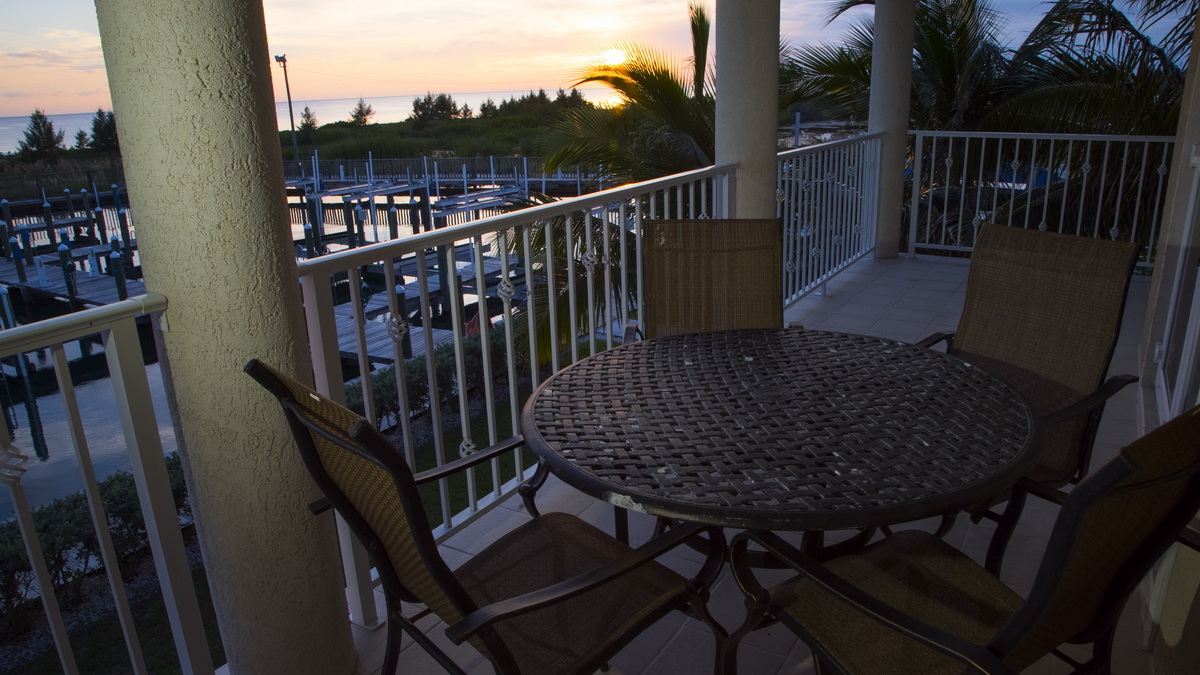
x: 69, y: 542
x: 383, y: 381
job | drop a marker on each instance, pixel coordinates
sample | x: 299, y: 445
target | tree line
x: 43, y: 142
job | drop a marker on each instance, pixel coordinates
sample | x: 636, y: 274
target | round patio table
x: 780, y: 429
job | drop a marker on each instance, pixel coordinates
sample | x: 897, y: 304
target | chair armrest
x: 563, y: 590
x: 974, y: 655
x: 1106, y: 391
x: 932, y: 340
x: 507, y: 445
x: 1046, y: 492
x: 1190, y: 538
x: 320, y: 506
x: 632, y: 333
x: 478, y: 457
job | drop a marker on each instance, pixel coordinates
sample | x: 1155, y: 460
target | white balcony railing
x: 116, y: 326
x: 1090, y: 185
x: 828, y: 202
x: 556, y: 283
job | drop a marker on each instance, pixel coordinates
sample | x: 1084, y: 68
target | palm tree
x: 959, y: 67
x: 663, y: 122
x: 1089, y: 67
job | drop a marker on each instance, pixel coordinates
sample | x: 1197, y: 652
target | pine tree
x: 308, y: 125
x: 361, y: 114
x: 82, y: 140
x: 41, y: 140
x: 104, y: 131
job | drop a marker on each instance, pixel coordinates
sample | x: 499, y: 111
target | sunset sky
x: 50, y: 56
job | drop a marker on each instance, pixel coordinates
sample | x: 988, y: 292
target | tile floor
x: 902, y: 299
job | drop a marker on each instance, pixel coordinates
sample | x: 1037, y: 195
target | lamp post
x: 281, y: 59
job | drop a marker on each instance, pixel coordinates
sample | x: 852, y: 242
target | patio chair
x: 911, y: 603
x: 711, y: 274
x: 554, y: 595
x: 1043, y: 311
x: 702, y: 275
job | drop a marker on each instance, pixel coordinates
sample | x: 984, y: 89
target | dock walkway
x: 44, y: 278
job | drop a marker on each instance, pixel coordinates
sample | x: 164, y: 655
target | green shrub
x: 69, y: 544
x: 64, y: 528
x: 383, y: 380
x: 15, y: 574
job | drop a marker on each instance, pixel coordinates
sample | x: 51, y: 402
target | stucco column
x: 191, y: 88
x: 891, y: 86
x: 747, y: 124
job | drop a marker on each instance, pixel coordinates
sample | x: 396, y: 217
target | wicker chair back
x: 711, y: 274
x: 372, y: 487
x: 1043, y: 311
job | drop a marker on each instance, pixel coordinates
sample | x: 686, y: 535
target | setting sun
x: 612, y: 57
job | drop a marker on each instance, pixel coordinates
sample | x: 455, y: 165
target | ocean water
x: 387, y: 109
x: 12, y: 129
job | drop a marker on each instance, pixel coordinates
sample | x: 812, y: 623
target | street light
x: 281, y: 59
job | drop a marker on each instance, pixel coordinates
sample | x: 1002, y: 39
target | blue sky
x: 50, y: 56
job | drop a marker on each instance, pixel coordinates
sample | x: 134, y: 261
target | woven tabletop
x: 780, y: 429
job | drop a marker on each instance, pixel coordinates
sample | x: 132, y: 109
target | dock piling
x: 117, y: 264
x: 48, y: 216
x: 101, y: 225
x: 18, y: 258
x: 68, y: 270
x: 123, y: 220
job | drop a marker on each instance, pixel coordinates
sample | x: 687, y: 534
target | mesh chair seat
x: 916, y: 573
x: 1059, y: 445
x: 558, y: 546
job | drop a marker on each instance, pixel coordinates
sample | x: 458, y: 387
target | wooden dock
x: 45, y: 279
x: 380, y: 345
x: 379, y: 342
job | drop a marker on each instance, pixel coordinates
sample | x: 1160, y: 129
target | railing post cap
x: 63, y: 248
